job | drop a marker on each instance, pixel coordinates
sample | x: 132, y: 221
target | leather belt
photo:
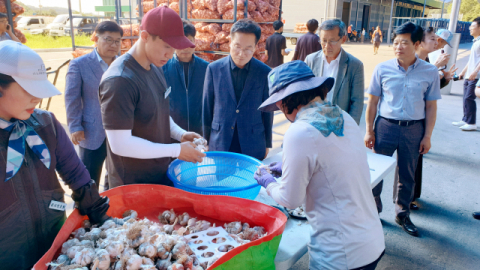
x: 403, y: 123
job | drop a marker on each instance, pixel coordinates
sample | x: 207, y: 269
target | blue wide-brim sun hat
x: 290, y: 78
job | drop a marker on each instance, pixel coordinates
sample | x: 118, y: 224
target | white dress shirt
x: 331, y: 70
x: 331, y: 175
x: 474, y: 59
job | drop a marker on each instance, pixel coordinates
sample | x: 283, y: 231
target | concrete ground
x: 451, y: 182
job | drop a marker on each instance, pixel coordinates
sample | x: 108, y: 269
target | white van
x: 26, y: 24
x: 57, y: 27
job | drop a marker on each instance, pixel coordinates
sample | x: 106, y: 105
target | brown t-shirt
x: 306, y: 44
x: 133, y: 98
x: 275, y: 44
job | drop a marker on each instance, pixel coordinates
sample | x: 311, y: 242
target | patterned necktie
x: 21, y: 132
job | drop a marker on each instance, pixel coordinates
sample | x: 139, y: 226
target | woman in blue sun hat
x: 324, y: 167
x: 34, y: 147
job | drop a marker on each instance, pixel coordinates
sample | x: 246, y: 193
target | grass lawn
x: 49, y: 42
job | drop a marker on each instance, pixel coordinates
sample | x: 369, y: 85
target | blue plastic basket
x: 220, y: 173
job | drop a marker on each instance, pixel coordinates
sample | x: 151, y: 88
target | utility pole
x: 454, y: 16
x: 443, y: 4
x: 424, y: 4
x: 80, y: 6
x: 390, y: 25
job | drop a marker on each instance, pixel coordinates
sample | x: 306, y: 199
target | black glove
x: 88, y: 202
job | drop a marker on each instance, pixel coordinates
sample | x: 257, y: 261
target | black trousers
x: 469, y: 105
x: 389, y: 138
x: 93, y: 160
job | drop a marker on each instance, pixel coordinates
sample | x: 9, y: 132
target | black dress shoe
x: 407, y: 225
x: 476, y: 215
x: 414, y: 206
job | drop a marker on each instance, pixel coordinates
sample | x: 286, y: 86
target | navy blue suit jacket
x: 221, y: 112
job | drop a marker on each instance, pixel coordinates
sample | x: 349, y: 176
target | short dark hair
x: 277, y: 25
x: 477, y: 20
x: 415, y: 31
x: 189, y: 29
x: 312, y: 25
x: 247, y: 26
x: 427, y: 31
x: 108, y: 26
x: 3, y: 15
x: 5, y: 81
x: 304, y: 97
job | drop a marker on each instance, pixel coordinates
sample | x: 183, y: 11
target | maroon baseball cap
x: 165, y: 23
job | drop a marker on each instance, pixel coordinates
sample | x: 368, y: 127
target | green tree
x: 469, y: 8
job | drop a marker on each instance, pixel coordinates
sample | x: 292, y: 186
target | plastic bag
x: 207, y: 37
x: 205, y: 14
x: 275, y: 3
x: 222, y: 37
x: 260, y: 47
x: 198, y: 4
x: 203, y: 45
x: 211, y: 4
x: 262, y: 6
x: 229, y: 14
x: 227, y: 27
x: 222, y: 6
x: 213, y: 28
x: 20, y: 35
x: 225, y: 47
x: 16, y: 8
x: 149, y: 200
x: 257, y: 16
x: 267, y: 29
x: 270, y: 17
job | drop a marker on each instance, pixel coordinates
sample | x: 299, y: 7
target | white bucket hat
x: 26, y: 67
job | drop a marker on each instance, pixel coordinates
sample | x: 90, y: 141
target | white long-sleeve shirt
x: 331, y: 175
x: 123, y: 143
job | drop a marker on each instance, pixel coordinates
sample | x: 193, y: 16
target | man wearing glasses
x: 81, y: 97
x: 234, y: 88
x: 347, y: 70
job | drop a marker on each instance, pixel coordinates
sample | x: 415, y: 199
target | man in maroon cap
x: 135, y: 106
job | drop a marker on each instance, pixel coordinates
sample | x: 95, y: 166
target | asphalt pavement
x: 450, y: 237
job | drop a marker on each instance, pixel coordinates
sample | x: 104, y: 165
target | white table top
x: 296, y: 235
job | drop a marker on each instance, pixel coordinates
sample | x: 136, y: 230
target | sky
x: 88, y: 6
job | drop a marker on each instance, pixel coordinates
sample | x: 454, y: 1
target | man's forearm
x: 430, y: 118
x: 370, y: 114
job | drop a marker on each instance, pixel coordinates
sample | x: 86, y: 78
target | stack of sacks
x: 173, y: 4
x: 300, y: 28
x: 212, y: 37
x: 18, y: 10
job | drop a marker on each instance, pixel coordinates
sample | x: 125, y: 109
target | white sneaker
x: 468, y: 127
x: 459, y: 123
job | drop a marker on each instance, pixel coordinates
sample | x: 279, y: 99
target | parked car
x: 28, y: 24
x: 81, y: 26
x: 57, y: 27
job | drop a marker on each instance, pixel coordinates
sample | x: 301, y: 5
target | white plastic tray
x: 204, y: 244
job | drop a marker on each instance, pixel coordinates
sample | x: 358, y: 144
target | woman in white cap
x: 33, y: 149
x: 324, y: 166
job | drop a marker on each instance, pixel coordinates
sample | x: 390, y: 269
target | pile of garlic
x: 140, y: 244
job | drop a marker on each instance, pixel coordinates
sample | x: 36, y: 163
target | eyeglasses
x: 331, y: 43
x: 111, y: 41
x: 245, y: 51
